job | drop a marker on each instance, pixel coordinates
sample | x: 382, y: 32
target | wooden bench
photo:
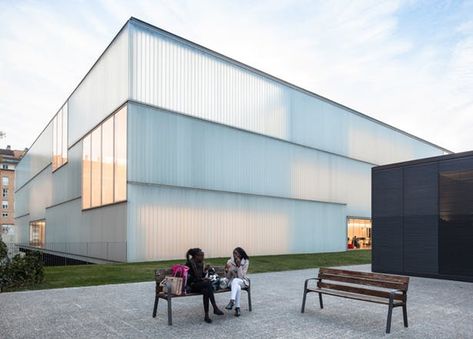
x: 378, y: 288
x: 166, y: 295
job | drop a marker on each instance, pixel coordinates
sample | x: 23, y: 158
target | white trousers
x: 237, y: 284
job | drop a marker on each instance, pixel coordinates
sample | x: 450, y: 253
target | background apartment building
x: 8, y: 161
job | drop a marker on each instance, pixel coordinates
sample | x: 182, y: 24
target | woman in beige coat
x: 236, y: 268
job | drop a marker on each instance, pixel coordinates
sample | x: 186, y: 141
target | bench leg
x: 169, y: 311
x: 303, y: 300
x: 249, y: 299
x: 155, y: 308
x: 388, y: 323
x: 321, y: 301
x: 404, y: 314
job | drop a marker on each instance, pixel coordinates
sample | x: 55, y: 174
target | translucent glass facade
x: 166, y: 139
x: 177, y: 75
x: 164, y: 221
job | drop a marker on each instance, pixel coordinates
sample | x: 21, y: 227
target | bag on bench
x: 181, y: 271
x: 174, y: 282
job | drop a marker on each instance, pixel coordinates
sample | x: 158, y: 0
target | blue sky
x: 407, y: 63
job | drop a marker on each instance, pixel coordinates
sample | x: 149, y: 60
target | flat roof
x: 425, y: 160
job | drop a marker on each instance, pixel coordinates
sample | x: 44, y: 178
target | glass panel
x: 107, y: 161
x: 64, y: 134
x: 96, y: 167
x: 120, y: 155
x: 359, y: 233
x: 54, y: 159
x: 59, y: 139
x: 5, y: 181
x: 86, y: 172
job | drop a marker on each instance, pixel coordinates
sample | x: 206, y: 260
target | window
x: 104, y: 162
x: 4, y: 166
x: 5, y: 214
x: 5, y: 205
x: 60, y: 138
x: 359, y: 233
x: 96, y: 157
x: 8, y: 229
x: 5, y: 181
x: 5, y: 192
x: 37, y: 232
x: 107, y: 162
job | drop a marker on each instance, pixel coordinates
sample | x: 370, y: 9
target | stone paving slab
x: 436, y: 309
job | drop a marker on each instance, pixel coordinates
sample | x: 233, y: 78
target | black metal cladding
x: 422, y: 215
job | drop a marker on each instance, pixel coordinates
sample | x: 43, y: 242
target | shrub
x: 21, y: 271
x: 3, y: 251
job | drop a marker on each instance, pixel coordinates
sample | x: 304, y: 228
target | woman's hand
x: 237, y: 261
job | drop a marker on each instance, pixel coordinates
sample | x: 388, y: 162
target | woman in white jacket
x: 237, y: 267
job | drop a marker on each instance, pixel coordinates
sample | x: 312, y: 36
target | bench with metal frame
x: 165, y: 294
x: 378, y: 288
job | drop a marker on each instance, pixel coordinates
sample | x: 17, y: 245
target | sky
x: 407, y: 63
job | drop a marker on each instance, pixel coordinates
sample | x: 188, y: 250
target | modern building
x: 8, y: 161
x: 166, y: 145
x: 423, y: 217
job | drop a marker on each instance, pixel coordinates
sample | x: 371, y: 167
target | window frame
x: 41, y: 223
x: 60, y: 138
x: 124, y: 139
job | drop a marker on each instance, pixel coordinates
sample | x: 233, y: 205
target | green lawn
x: 90, y: 275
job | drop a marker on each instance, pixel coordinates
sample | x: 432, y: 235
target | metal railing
x: 105, y: 250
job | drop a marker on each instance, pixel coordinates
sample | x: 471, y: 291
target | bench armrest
x: 394, y: 292
x: 307, y: 282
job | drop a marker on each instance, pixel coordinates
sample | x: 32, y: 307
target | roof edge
x: 424, y: 160
x: 284, y: 82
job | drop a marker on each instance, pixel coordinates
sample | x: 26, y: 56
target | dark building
x: 422, y: 214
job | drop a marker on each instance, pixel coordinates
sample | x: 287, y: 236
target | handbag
x: 175, y: 284
x: 181, y: 271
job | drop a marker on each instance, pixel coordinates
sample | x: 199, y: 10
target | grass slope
x: 91, y: 275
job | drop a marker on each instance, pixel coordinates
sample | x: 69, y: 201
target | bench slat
x: 356, y: 296
x: 164, y: 295
x: 367, y: 281
x: 366, y: 275
x: 359, y: 290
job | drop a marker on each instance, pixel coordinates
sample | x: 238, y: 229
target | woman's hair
x: 192, y: 252
x: 242, y: 253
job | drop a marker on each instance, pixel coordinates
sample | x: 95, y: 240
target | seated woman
x: 236, y: 268
x: 197, y: 282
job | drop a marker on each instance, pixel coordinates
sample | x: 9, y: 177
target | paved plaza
x: 436, y: 309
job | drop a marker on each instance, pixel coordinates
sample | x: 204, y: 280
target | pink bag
x: 181, y: 271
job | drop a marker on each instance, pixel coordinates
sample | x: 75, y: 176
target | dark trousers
x: 204, y: 287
